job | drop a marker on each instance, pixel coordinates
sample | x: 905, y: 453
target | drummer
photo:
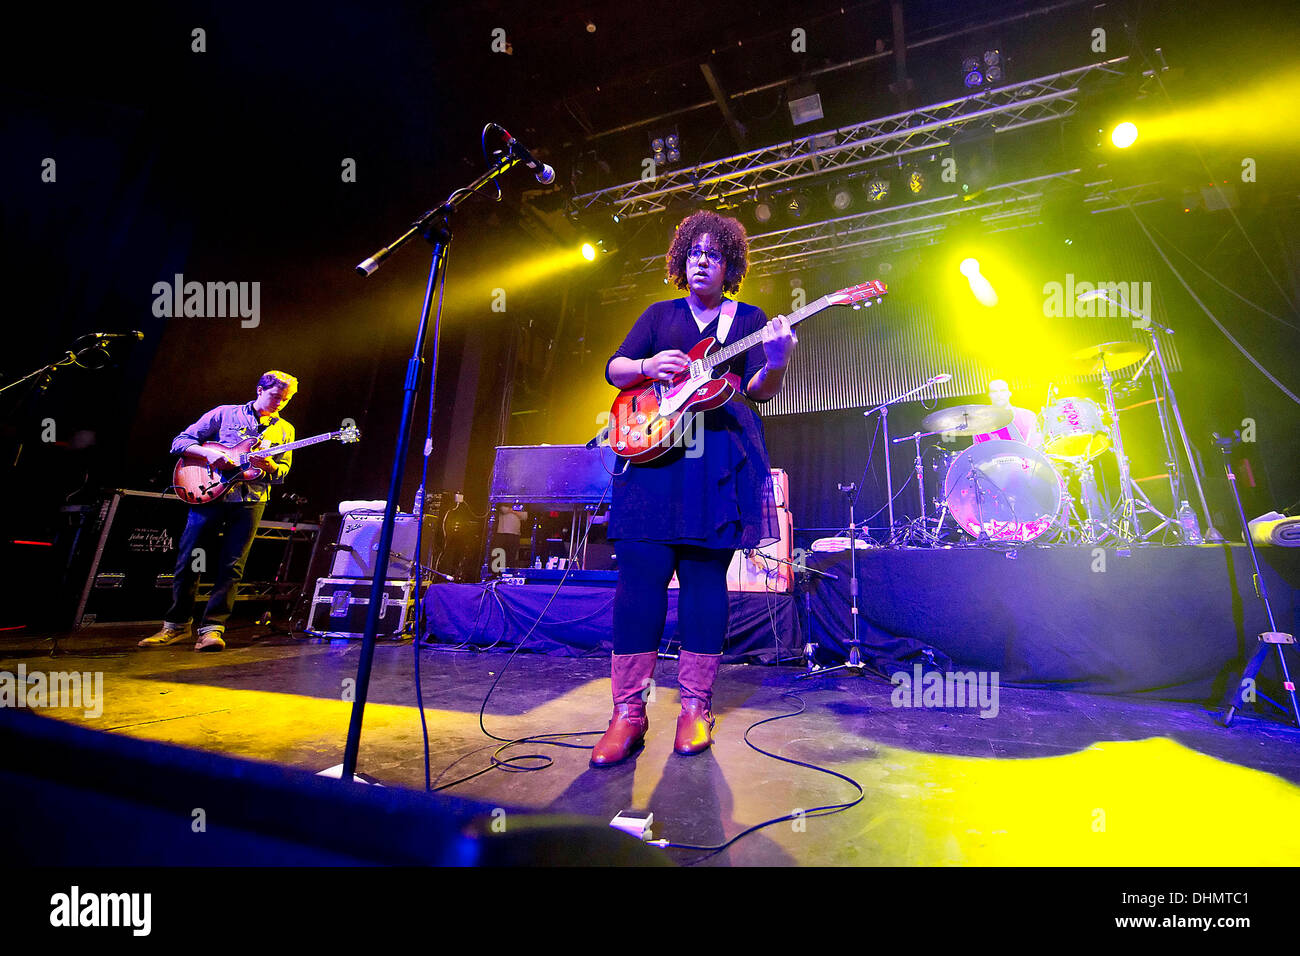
x: 1024, y: 423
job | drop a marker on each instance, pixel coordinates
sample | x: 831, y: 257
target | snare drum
x: 1072, y: 428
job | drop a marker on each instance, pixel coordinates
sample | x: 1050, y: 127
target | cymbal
x: 967, y: 419
x: 1111, y: 355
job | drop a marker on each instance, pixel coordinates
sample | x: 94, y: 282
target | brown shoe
x: 630, y: 678
x: 696, y: 673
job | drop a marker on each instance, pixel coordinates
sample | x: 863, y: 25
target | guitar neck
x: 749, y: 341
x: 302, y: 443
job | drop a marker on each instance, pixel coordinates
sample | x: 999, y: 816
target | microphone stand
x: 884, y: 421
x: 1272, y: 637
x: 435, y: 226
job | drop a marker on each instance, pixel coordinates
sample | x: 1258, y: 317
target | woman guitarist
x: 689, y: 510
x: 236, y: 515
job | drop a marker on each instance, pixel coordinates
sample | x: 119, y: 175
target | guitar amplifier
x: 358, y: 545
x: 340, y: 606
x: 754, y: 571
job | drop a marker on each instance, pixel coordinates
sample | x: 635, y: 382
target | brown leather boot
x: 696, y: 673
x: 630, y: 676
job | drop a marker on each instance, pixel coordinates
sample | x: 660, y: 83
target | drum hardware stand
x: 1127, y: 525
x: 884, y: 421
x: 1272, y: 637
x: 1150, y: 326
x: 854, y: 662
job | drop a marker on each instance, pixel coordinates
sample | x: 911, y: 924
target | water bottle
x: 1191, y: 528
x: 418, y: 508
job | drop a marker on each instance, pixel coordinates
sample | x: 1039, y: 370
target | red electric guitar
x: 645, y: 420
x: 197, y: 481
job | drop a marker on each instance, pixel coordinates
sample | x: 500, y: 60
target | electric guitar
x: 646, y: 419
x: 198, y: 481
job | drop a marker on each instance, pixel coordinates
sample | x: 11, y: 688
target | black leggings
x: 641, y: 599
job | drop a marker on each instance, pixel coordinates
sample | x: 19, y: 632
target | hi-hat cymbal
x: 1111, y: 355
x: 967, y: 419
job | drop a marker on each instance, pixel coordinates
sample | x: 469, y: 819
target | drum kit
x: 1003, y: 490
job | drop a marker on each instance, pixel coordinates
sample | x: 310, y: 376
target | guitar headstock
x: 348, y: 434
x: 866, y: 293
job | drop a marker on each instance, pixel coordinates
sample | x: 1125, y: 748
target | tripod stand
x: 854, y: 662
x: 1270, y: 638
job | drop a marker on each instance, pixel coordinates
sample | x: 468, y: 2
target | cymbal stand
x: 1126, y: 525
x: 1164, y: 389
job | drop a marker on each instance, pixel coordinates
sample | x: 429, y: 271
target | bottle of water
x: 418, y: 508
x: 1191, y: 528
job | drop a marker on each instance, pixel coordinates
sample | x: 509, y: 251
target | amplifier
x: 358, y: 545
x: 552, y: 474
x: 340, y: 605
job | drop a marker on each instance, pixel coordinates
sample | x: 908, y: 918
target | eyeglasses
x: 713, y: 255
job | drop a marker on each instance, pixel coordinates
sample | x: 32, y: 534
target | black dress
x: 723, y: 498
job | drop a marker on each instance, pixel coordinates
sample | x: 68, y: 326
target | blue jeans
x: 236, y: 522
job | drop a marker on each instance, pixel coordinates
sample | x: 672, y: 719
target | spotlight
x: 970, y: 268
x: 665, y: 146
x: 798, y: 205
x: 992, y: 66
x: 841, y: 198
x: 916, y: 180
x: 878, y: 189
x: 1124, y: 135
x: 982, y: 69
x: 762, y: 211
x: 589, y: 252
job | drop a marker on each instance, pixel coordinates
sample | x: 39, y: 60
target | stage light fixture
x: 589, y: 252
x: 665, y: 146
x: 841, y: 198
x: 1124, y: 135
x: 982, y: 70
x: 762, y: 211
x: 992, y: 66
x: 798, y: 205
x: 878, y: 189
x: 916, y: 180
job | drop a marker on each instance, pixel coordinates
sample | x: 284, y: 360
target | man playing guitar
x: 235, y: 516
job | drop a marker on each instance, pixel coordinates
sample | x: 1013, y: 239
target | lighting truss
x: 1006, y: 108
x: 878, y: 231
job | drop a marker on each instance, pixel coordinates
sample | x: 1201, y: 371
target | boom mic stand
x: 884, y: 421
x: 1272, y: 637
x: 435, y: 226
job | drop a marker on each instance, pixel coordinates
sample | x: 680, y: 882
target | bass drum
x: 1006, y: 488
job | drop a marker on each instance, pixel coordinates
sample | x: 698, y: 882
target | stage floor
x: 1055, y: 778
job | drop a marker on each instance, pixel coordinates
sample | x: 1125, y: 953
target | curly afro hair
x: 727, y: 233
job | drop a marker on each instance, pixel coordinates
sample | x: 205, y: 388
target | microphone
x: 544, y: 173
x: 109, y: 336
x: 941, y: 378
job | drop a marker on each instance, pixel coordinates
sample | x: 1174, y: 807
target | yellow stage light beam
x: 1265, y: 113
